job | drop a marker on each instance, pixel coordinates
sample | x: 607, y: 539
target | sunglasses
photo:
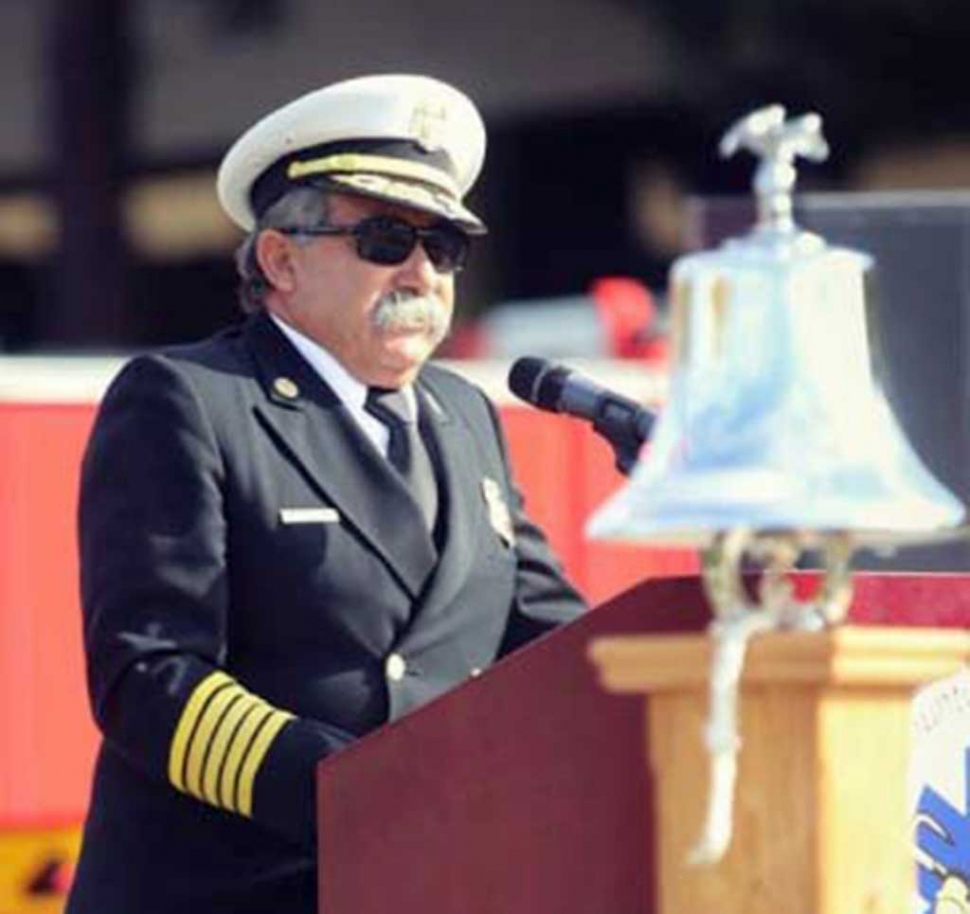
x: 389, y: 241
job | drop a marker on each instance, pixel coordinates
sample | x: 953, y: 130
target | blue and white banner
x: 940, y: 792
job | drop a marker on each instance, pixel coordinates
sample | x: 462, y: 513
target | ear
x: 274, y: 254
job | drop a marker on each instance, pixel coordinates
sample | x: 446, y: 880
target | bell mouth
x: 877, y: 510
x: 674, y: 534
x: 882, y: 542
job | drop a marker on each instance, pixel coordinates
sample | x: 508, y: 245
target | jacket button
x: 287, y: 388
x: 395, y: 667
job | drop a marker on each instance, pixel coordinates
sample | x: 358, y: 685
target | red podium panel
x: 523, y: 790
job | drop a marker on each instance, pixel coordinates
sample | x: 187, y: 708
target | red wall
x: 47, y: 741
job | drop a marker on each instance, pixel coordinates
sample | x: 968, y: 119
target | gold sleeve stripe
x: 381, y: 165
x: 242, y: 736
x: 187, y: 723
x: 220, y: 742
x: 254, y: 758
x: 219, y: 747
x: 204, y: 736
x: 229, y: 778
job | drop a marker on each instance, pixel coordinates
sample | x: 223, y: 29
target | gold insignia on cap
x: 286, y: 387
x: 412, y: 194
x: 499, y: 515
x: 351, y: 163
x: 429, y: 121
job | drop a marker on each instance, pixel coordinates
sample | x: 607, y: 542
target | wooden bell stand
x: 821, y: 818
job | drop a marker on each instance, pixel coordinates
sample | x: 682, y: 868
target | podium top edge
x: 844, y: 656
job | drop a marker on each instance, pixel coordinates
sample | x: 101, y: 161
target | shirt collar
x: 351, y: 392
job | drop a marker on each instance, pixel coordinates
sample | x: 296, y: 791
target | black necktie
x: 405, y: 448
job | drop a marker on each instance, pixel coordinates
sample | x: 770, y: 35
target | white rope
x: 731, y: 637
x: 737, y: 620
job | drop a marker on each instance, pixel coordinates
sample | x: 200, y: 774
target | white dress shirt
x: 348, y: 389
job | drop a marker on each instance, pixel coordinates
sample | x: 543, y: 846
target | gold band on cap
x: 349, y: 162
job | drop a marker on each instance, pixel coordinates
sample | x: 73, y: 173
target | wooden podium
x: 821, y: 815
x: 528, y: 790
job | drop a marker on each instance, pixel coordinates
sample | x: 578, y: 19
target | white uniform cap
x: 408, y: 139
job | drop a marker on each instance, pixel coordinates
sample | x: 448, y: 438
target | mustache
x: 403, y: 310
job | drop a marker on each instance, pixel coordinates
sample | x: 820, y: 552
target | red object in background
x: 627, y: 309
x: 616, y: 319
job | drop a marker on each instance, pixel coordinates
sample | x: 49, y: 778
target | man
x: 296, y: 531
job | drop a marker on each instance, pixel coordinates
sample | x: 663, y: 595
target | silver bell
x: 774, y: 421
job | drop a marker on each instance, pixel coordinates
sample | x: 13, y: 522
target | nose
x: 419, y: 271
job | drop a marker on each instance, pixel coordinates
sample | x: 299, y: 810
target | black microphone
x: 554, y: 388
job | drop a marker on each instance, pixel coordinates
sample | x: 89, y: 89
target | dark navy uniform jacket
x: 259, y: 589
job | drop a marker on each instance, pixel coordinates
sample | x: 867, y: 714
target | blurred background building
x: 603, y: 118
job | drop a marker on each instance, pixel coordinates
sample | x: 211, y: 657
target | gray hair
x: 303, y: 207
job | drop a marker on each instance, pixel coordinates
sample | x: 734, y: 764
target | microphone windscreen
x: 549, y: 388
x: 539, y: 382
x: 525, y: 375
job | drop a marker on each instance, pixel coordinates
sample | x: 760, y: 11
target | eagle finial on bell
x: 776, y: 142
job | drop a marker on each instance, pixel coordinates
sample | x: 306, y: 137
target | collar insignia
x: 286, y: 388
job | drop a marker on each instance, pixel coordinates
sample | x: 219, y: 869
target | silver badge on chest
x: 499, y: 515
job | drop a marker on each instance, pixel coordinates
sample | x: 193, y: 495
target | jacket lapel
x: 309, y: 423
